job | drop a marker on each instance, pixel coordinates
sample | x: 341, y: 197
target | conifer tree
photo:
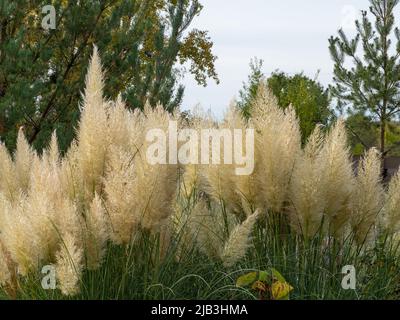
x: 142, y: 44
x: 371, y: 84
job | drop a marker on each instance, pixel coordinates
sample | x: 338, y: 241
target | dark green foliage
x: 249, y: 91
x: 307, y: 96
x: 42, y: 71
x: 363, y: 132
x: 372, y: 83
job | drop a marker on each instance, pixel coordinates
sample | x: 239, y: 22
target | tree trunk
x: 382, y: 146
x: 382, y: 138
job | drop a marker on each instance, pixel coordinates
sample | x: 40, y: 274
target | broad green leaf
x: 263, y: 276
x: 247, y: 279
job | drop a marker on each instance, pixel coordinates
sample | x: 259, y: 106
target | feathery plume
x: 69, y: 265
x: 367, y: 197
x: 70, y: 178
x: 120, y: 122
x: 5, y: 274
x: 239, y: 241
x: 338, y: 178
x: 156, y: 184
x: 245, y: 186
x: 278, y: 141
x: 204, y: 227
x: 391, y: 210
x: 8, y: 179
x: 120, y: 186
x: 94, y: 83
x: 307, y: 194
x: 20, y: 238
x: 70, y: 220
x: 52, y: 154
x: 23, y: 157
x: 221, y: 182
x: 96, y: 234
x: 92, y: 133
x: 190, y: 179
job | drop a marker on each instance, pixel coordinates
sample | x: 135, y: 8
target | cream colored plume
x: 5, y: 274
x: 97, y: 234
x: 69, y: 265
x: 23, y: 157
x: 367, y: 199
x: 156, y: 184
x: 307, y: 193
x: 206, y: 229
x: 120, y: 185
x: 391, y: 211
x: 8, y: 179
x: 92, y: 134
x: 220, y: 180
x: 278, y: 142
x: 239, y: 241
x: 338, y: 179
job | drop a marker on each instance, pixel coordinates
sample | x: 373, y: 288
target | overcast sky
x: 289, y: 35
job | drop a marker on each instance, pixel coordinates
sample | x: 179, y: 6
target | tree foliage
x: 372, y: 83
x: 363, y: 132
x: 307, y: 96
x: 249, y: 91
x: 142, y: 44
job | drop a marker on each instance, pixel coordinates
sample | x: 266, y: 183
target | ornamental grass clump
x: 64, y: 211
x: 307, y: 193
x: 115, y: 224
x: 390, y: 221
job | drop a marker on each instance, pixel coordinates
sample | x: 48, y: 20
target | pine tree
x: 372, y: 84
x: 142, y: 43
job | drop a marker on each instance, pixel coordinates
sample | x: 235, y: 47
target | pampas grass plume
x: 239, y: 241
x: 69, y: 265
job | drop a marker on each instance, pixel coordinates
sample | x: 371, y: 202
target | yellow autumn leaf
x: 259, y: 286
x: 280, y: 290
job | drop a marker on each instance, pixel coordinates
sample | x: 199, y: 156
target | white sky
x: 289, y: 35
